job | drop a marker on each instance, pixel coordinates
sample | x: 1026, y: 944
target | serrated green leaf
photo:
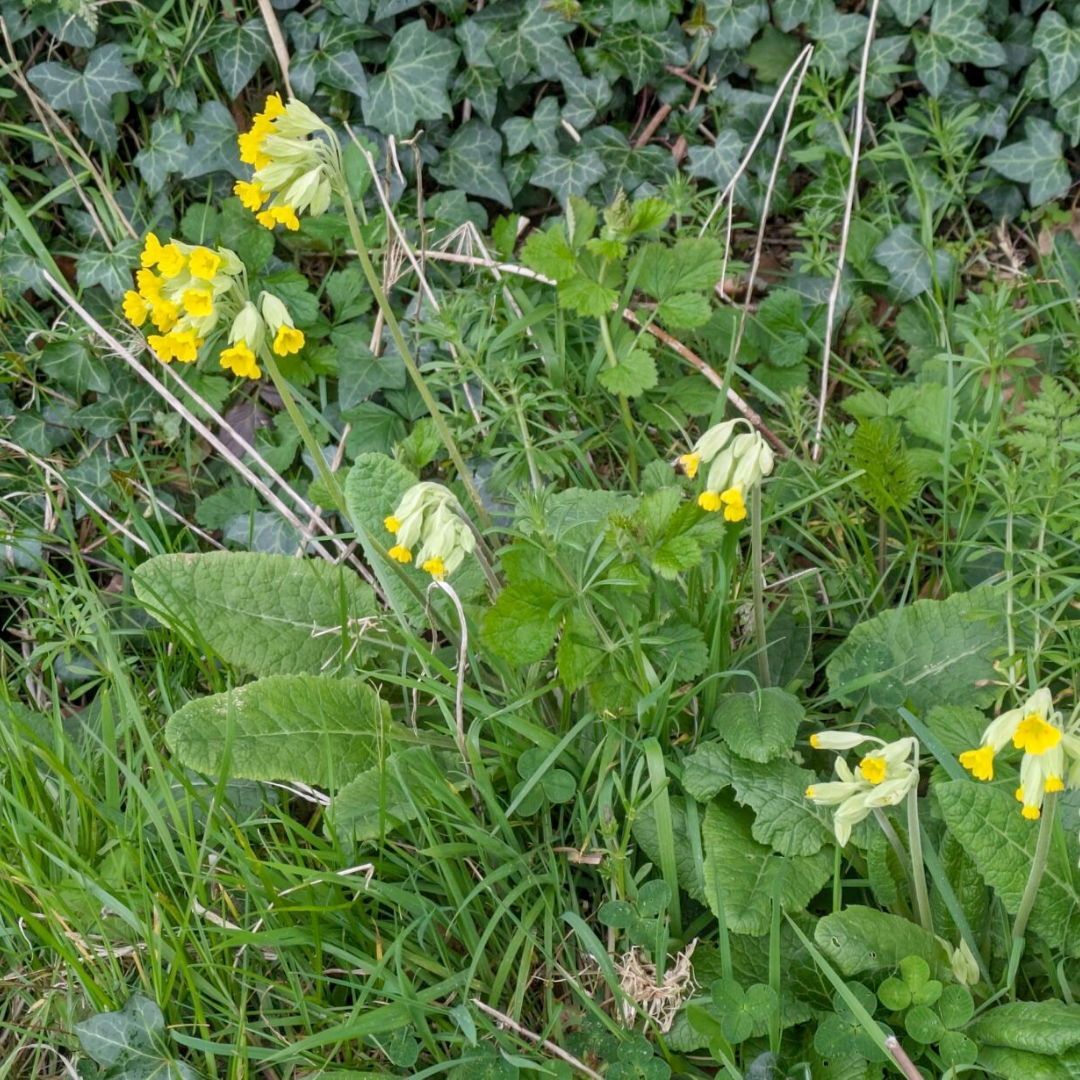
x: 521, y: 627
x: 933, y: 652
x: 568, y: 175
x: 865, y: 939
x: 165, y: 152
x: 633, y: 375
x: 985, y: 820
x: 687, y: 266
x: 413, y: 87
x: 303, y: 728
x: 587, y: 297
x: 1036, y: 161
x: 265, y: 614
x: 241, y: 48
x: 684, y: 311
x: 472, y: 162
x: 213, y: 147
x: 746, y: 873
x: 88, y: 94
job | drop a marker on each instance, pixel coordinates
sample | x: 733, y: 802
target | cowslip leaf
x: 865, y: 939
x: 1037, y: 1027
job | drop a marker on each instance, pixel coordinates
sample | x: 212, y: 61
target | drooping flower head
x: 883, y: 777
x: 1037, y: 730
x: 428, y: 514
x: 295, y: 158
x: 736, y: 464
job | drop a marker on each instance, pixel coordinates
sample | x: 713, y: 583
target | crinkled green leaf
x: 932, y: 652
x: 304, y: 728
x: 986, y: 821
x: 746, y: 873
x: 864, y: 939
x: 413, y: 87
x: 1036, y: 1027
x: 266, y: 614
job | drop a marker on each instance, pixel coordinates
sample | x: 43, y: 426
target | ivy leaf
x: 632, y: 376
x: 481, y: 86
x: 1059, y: 44
x: 342, y: 69
x: 71, y: 364
x: 638, y: 56
x: 213, y: 148
x: 166, y: 152
x: 240, y: 51
x: 865, y: 939
x: 88, y: 94
x: 360, y: 372
x: 537, y: 129
x: 960, y: 27
x: 109, y: 269
x: 987, y: 823
x: 566, y: 176
x: 931, y: 63
x: 532, y: 40
x: 1036, y: 161
x: 303, y: 728
x: 719, y: 161
x: 745, y: 874
x: 835, y: 35
x: 736, y: 21
x: 264, y: 614
x: 134, y: 1030
x: 911, y: 272
x: 472, y: 162
x: 789, y: 14
x: 413, y: 87
x: 584, y: 99
x: 932, y: 652
x: 907, y: 11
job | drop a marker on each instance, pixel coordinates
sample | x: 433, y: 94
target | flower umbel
x: 736, y: 464
x: 428, y: 514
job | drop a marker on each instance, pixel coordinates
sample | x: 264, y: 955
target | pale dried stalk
x: 277, y: 41
x: 845, y: 232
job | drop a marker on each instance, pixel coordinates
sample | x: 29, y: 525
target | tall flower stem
x: 624, y: 405
x: 758, y: 587
x: 330, y: 481
x: 405, y: 352
x: 918, y: 867
x: 1031, y: 889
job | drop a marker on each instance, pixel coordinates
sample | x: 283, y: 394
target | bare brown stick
x: 649, y: 130
x: 547, y: 1044
x: 845, y: 232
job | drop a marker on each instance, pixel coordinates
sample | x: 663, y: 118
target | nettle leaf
x: 265, y: 614
x: 960, y: 27
x: 166, y: 152
x: 1059, y: 44
x: 1038, y: 1027
x: 302, y: 728
x: 633, y: 375
x: 1036, y: 161
x: 911, y: 272
x: 986, y: 821
x: 213, y: 148
x: 472, y: 162
x: 736, y: 21
x: 240, y: 51
x: 88, y: 94
x: 745, y: 874
x: 413, y: 87
x: 568, y: 175
x: 718, y: 162
x: 638, y: 56
x: 865, y: 939
x: 932, y: 652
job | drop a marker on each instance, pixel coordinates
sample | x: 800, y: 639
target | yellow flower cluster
x: 183, y: 290
x: 429, y: 514
x: 188, y: 291
x: 1051, y: 754
x: 736, y: 464
x: 293, y: 171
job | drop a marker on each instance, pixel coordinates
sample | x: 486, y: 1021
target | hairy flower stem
x: 918, y: 867
x: 428, y: 397
x: 624, y: 404
x: 1031, y: 889
x: 758, y: 587
x: 329, y: 480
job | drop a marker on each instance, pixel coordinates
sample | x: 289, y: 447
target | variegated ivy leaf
x: 472, y: 163
x: 1068, y: 113
x: 1036, y: 161
x: 1059, y: 43
x: 908, y: 262
x: 737, y: 21
x: 240, y: 51
x: 479, y: 85
x: 960, y: 27
x: 565, y: 176
x: 166, y: 152
x: 835, y: 36
x: 718, y: 162
x: 413, y: 87
x: 342, y: 69
x: 214, y: 147
x: 636, y: 55
x: 109, y: 269
x: 788, y: 14
x: 88, y: 94
x: 931, y: 63
x: 538, y: 129
x: 530, y: 39
x: 584, y: 99
x: 907, y: 11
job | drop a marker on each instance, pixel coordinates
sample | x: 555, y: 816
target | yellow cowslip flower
x: 428, y: 514
x: 710, y: 501
x: 689, y: 463
x: 1037, y: 730
x: 279, y: 215
x: 240, y: 360
x: 734, y: 507
x: 162, y: 347
x: 136, y: 308
x: 251, y: 195
x: 288, y: 340
x: 736, y: 464
x: 164, y: 315
x: 151, y: 251
x: 149, y: 285
x: 198, y: 302
x: 170, y: 261
x: 400, y: 553
x: 204, y: 263
x: 185, y: 345
x: 391, y: 523
x: 435, y: 566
